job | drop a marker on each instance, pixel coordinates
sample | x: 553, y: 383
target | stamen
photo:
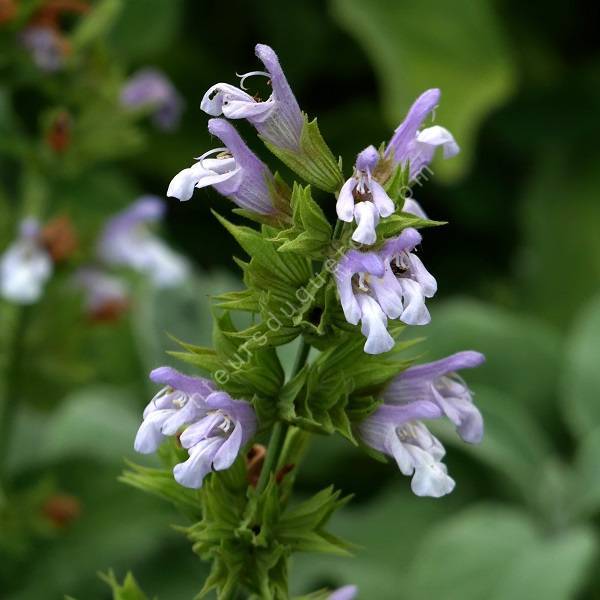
x: 362, y: 284
x: 180, y: 400
x: 213, y: 151
x: 250, y: 74
x: 225, y: 426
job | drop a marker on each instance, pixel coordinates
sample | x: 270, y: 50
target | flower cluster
x: 391, y: 282
x: 369, y: 274
x: 386, y: 280
x: 217, y: 426
x: 428, y: 391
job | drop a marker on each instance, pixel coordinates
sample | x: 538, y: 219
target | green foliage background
x: 518, y: 270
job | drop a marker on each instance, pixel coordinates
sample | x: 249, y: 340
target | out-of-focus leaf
x: 581, y: 382
x: 522, y: 354
x: 97, y: 422
x: 495, y: 552
x: 554, y: 569
x: 560, y: 259
x: 385, y: 531
x: 97, y: 23
x: 118, y: 527
x: 145, y: 27
x: 419, y: 45
x: 183, y: 312
x: 585, y: 491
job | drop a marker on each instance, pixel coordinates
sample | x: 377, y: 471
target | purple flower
x: 412, y: 207
x: 128, y: 241
x: 236, y: 173
x: 217, y: 427
x: 438, y: 382
x: 46, y: 46
x: 410, y: 144
x: 277, y: 119
x: 390, y: 283
x: 25, y: 266
x: 363, y: 199
x: 427, y: 391
x: 151, y: 88
x: 348, y: 592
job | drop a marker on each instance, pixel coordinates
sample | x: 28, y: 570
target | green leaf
x: 584, y: 494
x: 498, y: 553
x: 560, y: 241
x: 555, y: 569
x: 513, y: 442
x: 581, y: 379
x: 95, y: 25
x: 416, y: 46
x: 145, y: 28
x: 313, y: 161
x: 98, y: 422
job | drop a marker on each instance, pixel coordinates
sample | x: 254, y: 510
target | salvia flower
x: 427, y: 391
x: 105, y: 296
x: 278, y: 119
x: 216, y: 426
x: 438, y: 382
x: 348, y: 592
x: 363, y: 199
x: 235, y: 172
x: 150, y: 88
x: 412, y: 207
x: 47, y: 47
x: 128, y: 241
x: 390, y: 283
x: 415, y: 146
x: 25, y: 266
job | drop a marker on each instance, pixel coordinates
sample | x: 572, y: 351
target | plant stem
x: 280, y: 430
x: 10, y: 393
x: 275, y: 444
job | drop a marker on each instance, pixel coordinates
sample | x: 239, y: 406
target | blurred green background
x: 518, y: 268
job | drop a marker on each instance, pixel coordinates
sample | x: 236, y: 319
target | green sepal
x: 128, y: 590
x: 160, y: 483
x: 397, y: 223
x: 301, y: 527
x: 397, y: 184
x: 310, y: 233
x: 239, y: 362
x: 249, y: 535
x: 313, y: 160
x: 275, y: 282
x: 244, y: 300
x: 342, y: 386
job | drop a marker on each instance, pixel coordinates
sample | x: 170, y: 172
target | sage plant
x: 344, y: 292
